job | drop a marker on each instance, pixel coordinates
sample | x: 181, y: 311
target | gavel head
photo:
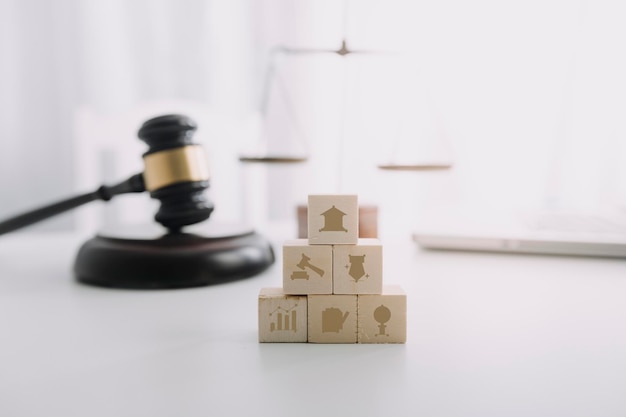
x: 176, y: 171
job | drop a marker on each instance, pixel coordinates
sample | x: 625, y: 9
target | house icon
x: 333, y: 220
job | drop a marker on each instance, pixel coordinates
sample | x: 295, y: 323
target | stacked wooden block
x: 333, y: 284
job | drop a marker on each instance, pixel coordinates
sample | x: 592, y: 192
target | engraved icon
x: 356, y: 271
x: 382, y: 316
x: 332, y: 320
x: 304, y: 263
x: 333, y: 220
x: 285, y: 319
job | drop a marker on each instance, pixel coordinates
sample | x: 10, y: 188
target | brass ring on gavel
x: 171, y: 166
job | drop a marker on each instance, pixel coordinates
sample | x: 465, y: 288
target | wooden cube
x: 382, y: 317
x: 333, y: 219
x: 307, y: 269
x: 332, y: 318
x: 358, y: 269
x: 282, y: 317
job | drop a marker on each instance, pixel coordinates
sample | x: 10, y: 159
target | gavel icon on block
x: 176, y: 173
x: 304, y: 263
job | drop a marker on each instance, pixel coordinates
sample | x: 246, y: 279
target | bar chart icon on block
x: 282, y: 317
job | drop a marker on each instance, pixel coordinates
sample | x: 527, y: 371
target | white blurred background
x: 526, y: 98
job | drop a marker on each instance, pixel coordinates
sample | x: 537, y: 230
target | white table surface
x: 488, y: 335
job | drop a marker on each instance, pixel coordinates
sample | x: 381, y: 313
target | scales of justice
x: 411, y: 147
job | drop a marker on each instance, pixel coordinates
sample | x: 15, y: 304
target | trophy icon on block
x: 334, y: 279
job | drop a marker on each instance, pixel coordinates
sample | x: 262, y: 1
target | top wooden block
x: 333, y: 219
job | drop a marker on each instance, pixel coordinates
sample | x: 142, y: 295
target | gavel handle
x: 134, y: 184
x: 317, y: 270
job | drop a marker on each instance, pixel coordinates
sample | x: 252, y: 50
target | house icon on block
x: 333, y: 220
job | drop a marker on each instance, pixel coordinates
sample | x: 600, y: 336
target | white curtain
x: 38, y: 72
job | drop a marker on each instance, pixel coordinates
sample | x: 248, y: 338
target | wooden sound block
x: 307, y: 269
x: 358, y: 269
x: 134, y: 259
x: 282, y: 317
x: 332, y: 318
x: 333, y: 219
x: 382, y: 317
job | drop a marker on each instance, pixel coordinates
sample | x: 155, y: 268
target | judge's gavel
x: 176, y: 173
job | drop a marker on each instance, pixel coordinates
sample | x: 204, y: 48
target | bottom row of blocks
x: 332, y: 318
